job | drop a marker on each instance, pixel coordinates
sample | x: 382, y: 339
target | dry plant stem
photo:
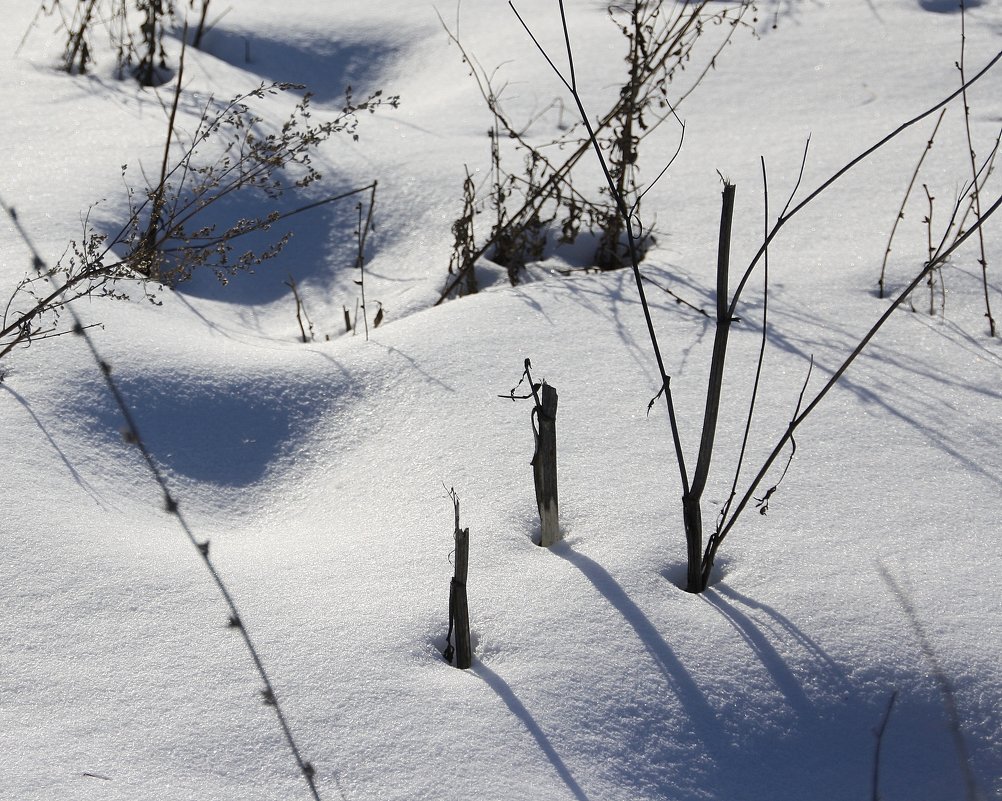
x: 679, y: 300
x: 200, y: 30
x: 363, y: 233
x: 656, y: 50
x: 930, y: 249
x: 691, y: 510
x: 758, y: 365
x: 463, y: 258
x: 940, y: 259
x: 76, y: 46
x: 624, y: 143
x: 149, y: 241
x: 172, y: 507
x: 34, y: 24
x: 901, y: 211
x: 687, y: 27
x: 152, y: 32
x: 291, y: 283
x: 983, y: 261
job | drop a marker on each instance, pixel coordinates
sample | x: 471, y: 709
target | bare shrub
x: 538, y: 202
x: 178, y: 224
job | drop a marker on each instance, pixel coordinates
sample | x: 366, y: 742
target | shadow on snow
x: 326, y: 66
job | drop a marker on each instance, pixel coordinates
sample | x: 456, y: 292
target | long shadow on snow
x: 699, y: 711
x: 753, y: 634
x: 925, y: 417
x: 506, y: 694
x: 947, y: 6
x: 322, y: 63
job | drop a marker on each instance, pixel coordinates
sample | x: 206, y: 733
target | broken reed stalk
x: 461, y: 607
x: 459, y: 610
x: 544, y: 465
x: 544, y: 455
x: 763, y: 340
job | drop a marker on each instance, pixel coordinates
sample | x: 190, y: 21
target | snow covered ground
x: 320, y: 472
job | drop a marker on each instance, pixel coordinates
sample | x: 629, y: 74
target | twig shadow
x: 506, y: 694
x: 773, y: 661
x: 692, y: 699
x: 725, y: 600
x: 79, y: 479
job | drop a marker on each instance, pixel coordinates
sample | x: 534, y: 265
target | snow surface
x: 320, y: 471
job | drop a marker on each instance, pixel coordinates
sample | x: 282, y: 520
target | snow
x: 319, y: 472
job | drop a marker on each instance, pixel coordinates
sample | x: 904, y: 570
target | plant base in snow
x: 539, y: 205
x: 459, y: 610
x: 135, y: 32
